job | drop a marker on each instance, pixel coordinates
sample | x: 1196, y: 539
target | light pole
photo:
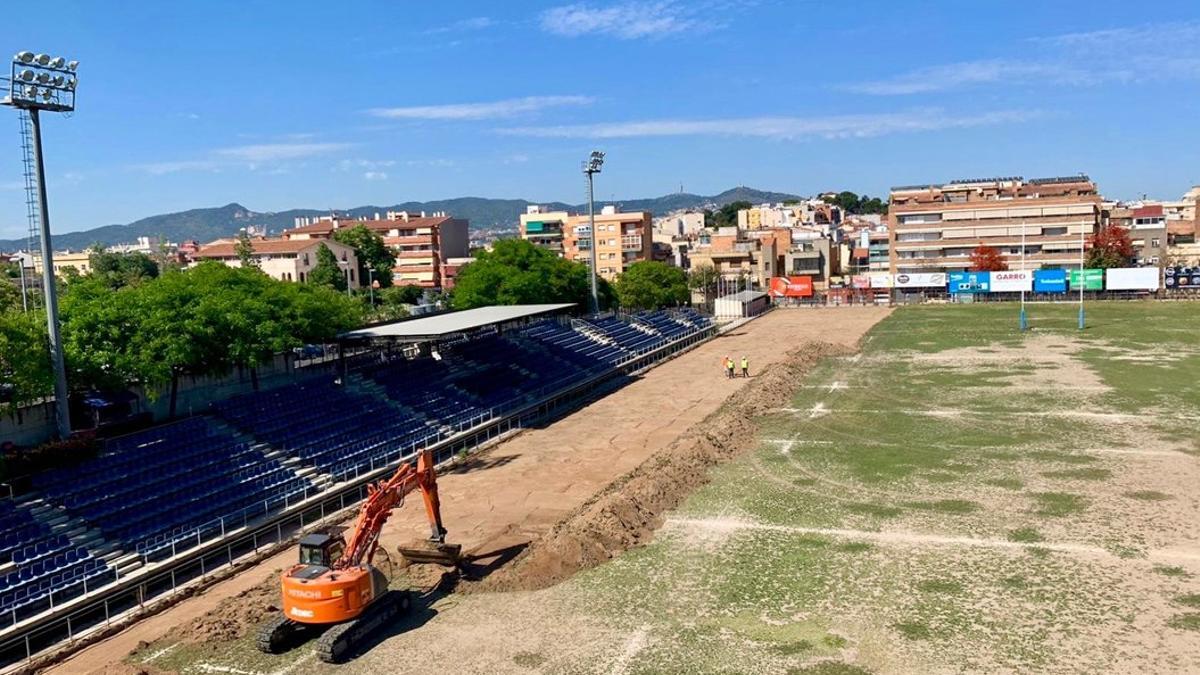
x: 346, y: 273
x: 1081, y: 245
x: 39, y: 82
x: 592, y: 167
x: 1024, y: 323
x: 371, y: 286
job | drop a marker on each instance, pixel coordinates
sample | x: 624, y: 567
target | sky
x: 331, y: 105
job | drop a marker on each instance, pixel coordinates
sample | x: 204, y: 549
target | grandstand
x: 100, y: 538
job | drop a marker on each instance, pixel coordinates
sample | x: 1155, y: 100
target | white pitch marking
x: 785, y: 446
x: 210, y: 668
x: 161, y: 653
x: 818, y: 410
x: 296, y: 664
x: 835, y: 386
x: 634, y: 645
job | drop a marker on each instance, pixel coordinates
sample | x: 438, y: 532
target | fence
x: 218, y: 547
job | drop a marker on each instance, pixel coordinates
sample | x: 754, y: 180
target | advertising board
x: 791, y: 287
x: 921, y: 280
x: 969, y: 282
x: 1181, y: 277
x: 1093, y: 280
x: 880, y: 280
x: 860, y: 281
x: 1050, y: 281
x: 1008, y: 281
x: 1131, y: 279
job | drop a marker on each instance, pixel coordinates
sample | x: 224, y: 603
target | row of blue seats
x: 44, y: 567
x: 40, y: 549
x: 35, y: 597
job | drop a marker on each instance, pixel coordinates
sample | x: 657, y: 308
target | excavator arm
x: 382, y: 498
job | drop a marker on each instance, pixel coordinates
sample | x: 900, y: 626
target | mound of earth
x: 234, y: 617
x: 631, y: 508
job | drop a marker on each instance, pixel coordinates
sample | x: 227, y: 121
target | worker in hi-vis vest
x: 745, y: 367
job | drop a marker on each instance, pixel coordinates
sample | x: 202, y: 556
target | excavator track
x: 336, y: 645
x: 279, y: 635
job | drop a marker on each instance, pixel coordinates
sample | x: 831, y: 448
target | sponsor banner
x: 1177, y: 276
x: 860, y: 281
x: 969, y: 282
x: 1131, y: 279
x: 880, y: 280
x: 1010, y: 281
x: 1093, y: 280
x: 1050, y: 281
x: 921, y: 280
x: 791, y: 287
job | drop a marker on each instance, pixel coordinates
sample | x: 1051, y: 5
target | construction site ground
x: 494, y: 505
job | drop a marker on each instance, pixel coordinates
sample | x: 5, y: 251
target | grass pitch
x: 959, y: 497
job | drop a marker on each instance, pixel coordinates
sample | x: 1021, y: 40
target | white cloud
x: 163, y: 168
x: 782, y: 128
x: 435, y: 162
x: 464, y: 25
x: 369, y: 164
x: 479, y: 111
x: 625, y: 21
x: 267, y: 152
x: 516, y: 158
x: 1125, y: 55
x: 375, y: 175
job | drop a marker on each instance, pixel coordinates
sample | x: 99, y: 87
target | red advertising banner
x: 791, y: 287
x: 860, y: 281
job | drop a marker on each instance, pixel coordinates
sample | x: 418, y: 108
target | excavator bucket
x: 431, y: 552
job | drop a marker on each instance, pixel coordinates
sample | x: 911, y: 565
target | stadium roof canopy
x: 452, y: 323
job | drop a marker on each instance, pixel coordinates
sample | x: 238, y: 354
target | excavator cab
x: 321, y: 549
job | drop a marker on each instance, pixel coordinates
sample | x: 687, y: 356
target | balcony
x: 631, y: 243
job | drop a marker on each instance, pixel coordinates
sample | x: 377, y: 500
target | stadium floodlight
x: 57, y: 94
x: 592, y: 167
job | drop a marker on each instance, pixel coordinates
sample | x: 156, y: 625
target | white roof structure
x: 449, y: 323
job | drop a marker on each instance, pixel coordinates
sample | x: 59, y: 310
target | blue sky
x: 330, y: 105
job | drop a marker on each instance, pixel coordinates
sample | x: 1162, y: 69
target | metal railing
x: 239, y: 538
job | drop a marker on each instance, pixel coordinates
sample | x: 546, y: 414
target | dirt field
x: 517, y: 491
x: 959, y: 497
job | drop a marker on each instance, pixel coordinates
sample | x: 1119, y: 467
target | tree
x: 24, y: 358
x: 650, y: 284
x: 852, y: 203
x: 407, y: 294
x: 727, y: 215
x: 703, y: 278
x: 372, y: 253
x: 122, y: 269
x: 10, y: 296
x: 516, y: 272
x: 987, y: 259
x: 326, y: 272
x: 244, y: 248
x: 1111, y: 247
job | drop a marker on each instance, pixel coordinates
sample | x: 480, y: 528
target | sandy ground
x: 521, y: 488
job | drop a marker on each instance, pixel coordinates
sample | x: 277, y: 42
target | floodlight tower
x: 592, y: 167
x: 40, y: 82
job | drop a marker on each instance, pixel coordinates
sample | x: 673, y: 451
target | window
x: 1154, y: 243
x: 1053, y: 231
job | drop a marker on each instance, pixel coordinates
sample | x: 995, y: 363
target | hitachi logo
x: 310, y: 595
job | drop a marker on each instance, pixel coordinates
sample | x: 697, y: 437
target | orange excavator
x: 336, y: 587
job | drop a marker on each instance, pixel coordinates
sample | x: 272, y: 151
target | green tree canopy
x: 326, y: 272
x: 24, y: 358
x: 372, y: 253
x: 852, y: 203
x: 650, y: 284
x: 122, y: 269
x: 10, y: 296
x: 244, y: 248
x: 727, y: 215
x: 702, y: 278
x: 516, y: 272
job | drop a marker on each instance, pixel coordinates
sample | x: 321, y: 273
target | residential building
x: 817, y: 257
x: 623, y: 237
x: 284, y: 259
x: 80, y: 261
x: 791, y: 214
x: 934, y: 228
x: 423, y: 244
x: 1147, y: 225
x: 680, y: 223
x: 733, y: 254
x: 543, y: 227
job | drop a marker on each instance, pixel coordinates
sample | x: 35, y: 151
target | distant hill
x: 223, y: 221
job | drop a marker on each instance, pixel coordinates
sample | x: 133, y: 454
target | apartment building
x: 733, y: 254
x: 284, y: 259
x: 934, y: 228
x: 623, y: 238
x: 792, y: 214
x: 1147, y: 226
x: 423, y: 244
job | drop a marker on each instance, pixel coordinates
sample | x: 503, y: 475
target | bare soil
x: 560, y: 478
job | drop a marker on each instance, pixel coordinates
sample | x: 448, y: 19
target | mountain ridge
x: 209, y: 223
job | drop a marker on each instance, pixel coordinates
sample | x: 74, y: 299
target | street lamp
x: 371, y: 286
x: 592, y: 167
x: 40, y: 82
x: 345, y: 272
